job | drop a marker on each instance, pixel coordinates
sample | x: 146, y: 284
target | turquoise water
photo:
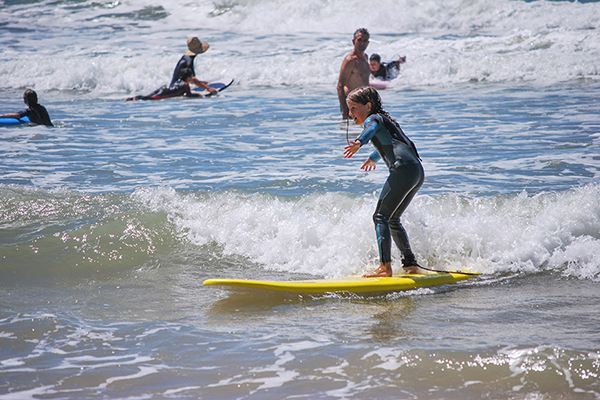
x: 111, y: 220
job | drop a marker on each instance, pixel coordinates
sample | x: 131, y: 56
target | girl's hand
x: 369, y: 165
x: 351, y: 149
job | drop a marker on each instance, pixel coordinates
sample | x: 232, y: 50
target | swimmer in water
x: 36, y: 112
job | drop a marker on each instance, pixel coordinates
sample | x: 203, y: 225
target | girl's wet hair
x: 368, y: 94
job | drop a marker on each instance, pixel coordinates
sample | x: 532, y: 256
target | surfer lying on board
x: 36, y: 112
x: 180, y: 88
x: 405, y: 179
x: 385, y: 71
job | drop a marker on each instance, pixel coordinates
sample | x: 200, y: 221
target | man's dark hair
x: 364, y: 31
x: 375, y: 57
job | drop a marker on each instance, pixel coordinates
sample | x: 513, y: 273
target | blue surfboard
x: 220, y: 86
x: 13, y: 121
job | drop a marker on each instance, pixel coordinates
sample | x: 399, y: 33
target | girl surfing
x: 405, y: 179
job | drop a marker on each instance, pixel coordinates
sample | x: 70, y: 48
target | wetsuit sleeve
x: 375, y: 156
x: 367, y: 134
x: 369, y: 131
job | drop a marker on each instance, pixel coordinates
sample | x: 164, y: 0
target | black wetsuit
x: 386, y: 71
x: 403, y: 183
x: 180, y: 88
x: 184, y: 62
x: 37, y: 114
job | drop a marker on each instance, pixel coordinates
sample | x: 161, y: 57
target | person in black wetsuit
x: 195, y: 47
x: 385, y: 71
x: 36, y: 113
x: 180, y: 87
x: 406, y: 174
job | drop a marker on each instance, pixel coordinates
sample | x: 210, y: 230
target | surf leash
x: 447, y: 272
x: 347, y: 128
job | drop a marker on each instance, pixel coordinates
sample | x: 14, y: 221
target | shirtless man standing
x: 355, y: 69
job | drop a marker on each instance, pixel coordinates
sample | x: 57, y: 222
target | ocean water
x: 111, y: 221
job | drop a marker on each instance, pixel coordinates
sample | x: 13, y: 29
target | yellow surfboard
x: 352, y: 284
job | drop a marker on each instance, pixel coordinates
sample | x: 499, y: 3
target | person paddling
x: 385, y: 71
x: 36, y: 112
x: 404, y: 181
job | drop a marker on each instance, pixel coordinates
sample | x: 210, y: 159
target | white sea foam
x: 391, y: 359
x: 332, y: 234
x: 127, y: 47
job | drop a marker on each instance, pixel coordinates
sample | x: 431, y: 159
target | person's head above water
x: 30, y: 97
x: 375, y: 62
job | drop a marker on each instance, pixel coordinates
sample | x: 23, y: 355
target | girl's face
x: 358, y: 112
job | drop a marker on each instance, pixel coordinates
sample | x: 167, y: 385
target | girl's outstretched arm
x: 351, y: 149
x: 369, y: 165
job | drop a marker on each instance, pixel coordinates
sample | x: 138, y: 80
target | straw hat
x: 195, y: 46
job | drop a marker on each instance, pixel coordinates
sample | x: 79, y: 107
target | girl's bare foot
x: 413, y: 269
x: 384, y: 270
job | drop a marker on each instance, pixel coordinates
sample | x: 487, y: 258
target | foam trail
x: 332, y: 234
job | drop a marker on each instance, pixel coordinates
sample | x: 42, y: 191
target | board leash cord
x: 347, y: 128
x: 447, y: 272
